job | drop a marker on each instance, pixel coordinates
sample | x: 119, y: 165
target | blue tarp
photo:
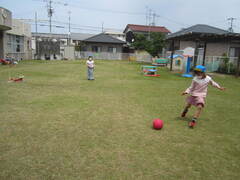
x: 176, y: 56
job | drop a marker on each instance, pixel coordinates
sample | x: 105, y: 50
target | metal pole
x: 69, y: 27
x: 36, y: 45
x: 50, y: 16
x: 149, y: 26
x: 204, y: 54
x: 172, y: 53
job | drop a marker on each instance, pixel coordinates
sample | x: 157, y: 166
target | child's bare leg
x: 186, y: 109
x: 198, y: 112
x: 196, y: 115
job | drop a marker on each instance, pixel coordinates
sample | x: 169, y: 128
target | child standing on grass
x: 90, y: 68
x: 198, y: 92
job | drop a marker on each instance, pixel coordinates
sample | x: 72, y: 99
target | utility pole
x: 172, y: 53
x: 36, y: 29
x: 231, y: 26
x: 154, y: 16
x: 102, y: 27
x: 50, y: 13
x: 149, y: 25
x: 146, y: 15
x: 69, y: 27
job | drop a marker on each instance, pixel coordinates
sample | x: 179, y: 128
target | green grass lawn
x: 58, y: 125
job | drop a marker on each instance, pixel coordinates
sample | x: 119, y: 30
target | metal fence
x: 141, y: 57
x: 219, y: 64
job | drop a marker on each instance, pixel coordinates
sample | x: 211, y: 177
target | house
x: 207, y: 41
x: 77, y: 38
x: 102, y: 46
x: 132, y: 29
x: 118, y: 35
x: 103, y: 43
x: 15, y: 37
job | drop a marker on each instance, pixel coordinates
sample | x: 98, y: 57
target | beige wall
x: 217, y: 49
x: 213, y: 49
x: 185, y: 44
x: 20, y: 28
x: 5, y: 19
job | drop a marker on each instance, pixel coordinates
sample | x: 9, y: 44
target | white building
x: 15, y: 37
x: 19, y: 40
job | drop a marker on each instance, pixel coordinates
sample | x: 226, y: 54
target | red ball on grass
x: 157, y: 124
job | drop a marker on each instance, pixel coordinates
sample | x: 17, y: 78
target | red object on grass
x: 157, y: 124
x: 16, y: 79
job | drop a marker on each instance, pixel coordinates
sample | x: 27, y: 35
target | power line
x: 66, y: 27
x: 67, y: 23
x: 106, y: 10
x: 150, y: 15
x: 50, y: 10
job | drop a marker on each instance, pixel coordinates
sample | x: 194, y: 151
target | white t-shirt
x: 90, y: 64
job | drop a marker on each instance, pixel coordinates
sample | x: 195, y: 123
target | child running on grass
x: 198, y: 92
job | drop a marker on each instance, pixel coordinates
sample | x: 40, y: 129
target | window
x: 18, y: 48
x: 234, y: 52
x: 112, y: 49
x: 96, y: 49
x: 15, y: 44
x: 83, y: 48
x: 28, y: 45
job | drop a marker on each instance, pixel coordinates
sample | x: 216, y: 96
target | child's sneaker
x: 192, y: 124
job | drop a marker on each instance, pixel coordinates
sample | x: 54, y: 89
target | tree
x: 152, y: 45
x: 139, y: 42
x: 80, y: 46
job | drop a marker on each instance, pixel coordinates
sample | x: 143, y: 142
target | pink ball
x: 157, y: 124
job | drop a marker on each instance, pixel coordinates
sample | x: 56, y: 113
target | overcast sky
x: 89, y: 15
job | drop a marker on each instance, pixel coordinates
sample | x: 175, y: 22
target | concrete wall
x: 1, y: 44
x: 5, y: 19
x: 5, y: 24
x: 69, y: 52
x: 19, y: 28
x: 24, y: 30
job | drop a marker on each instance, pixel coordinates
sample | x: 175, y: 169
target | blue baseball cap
x: 200, y: 68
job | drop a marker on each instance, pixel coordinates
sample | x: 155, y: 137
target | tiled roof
x: 104, y: 38
x: 81, y: 36
x: 199, y: 28
x: 143, y: 28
